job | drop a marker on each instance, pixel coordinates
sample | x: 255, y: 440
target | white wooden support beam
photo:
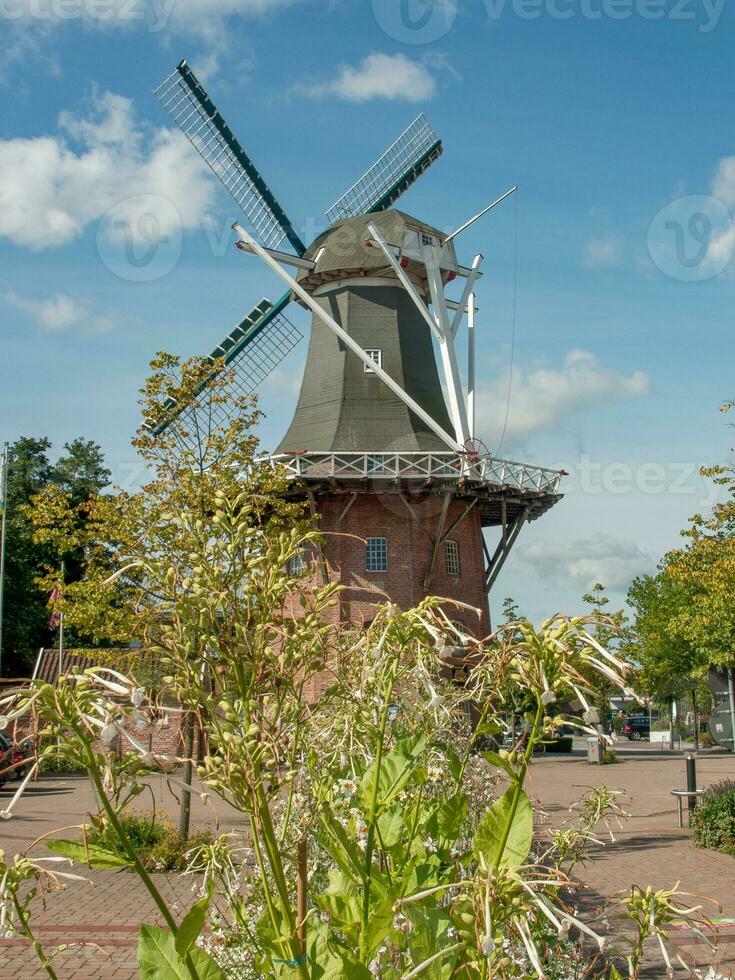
x: 468, y: 287
x: 405, y: 280
x: 348, y: 341
x: 471, y: 364
x: 457, y: 407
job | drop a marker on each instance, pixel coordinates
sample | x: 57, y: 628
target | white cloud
x: 378, y: 76
x: 723, y: 183
x: 722, y: 243
x: 602, y: 253
x: 542, y: 399
x: 53, y: 187
x: 61, y: 312
x: 579, y: 564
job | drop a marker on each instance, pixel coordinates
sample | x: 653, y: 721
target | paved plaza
x: 100, y: 919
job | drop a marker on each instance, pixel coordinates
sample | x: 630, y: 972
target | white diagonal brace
x: 407, y: 284
x: 348, y: 341
x: 471, y: 364
x: 468, y: 287
x: 457, y: 407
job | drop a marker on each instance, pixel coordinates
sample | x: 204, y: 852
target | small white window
x: 376, y: 555
x: 375, y: 355
x: 452, y: 558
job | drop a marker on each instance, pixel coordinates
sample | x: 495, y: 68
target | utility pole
x: 61, y: 625
x: 4, y: 504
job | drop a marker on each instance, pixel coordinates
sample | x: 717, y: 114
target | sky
x: 606, y: 305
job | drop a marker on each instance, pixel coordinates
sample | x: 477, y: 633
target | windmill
x: 380, y: 444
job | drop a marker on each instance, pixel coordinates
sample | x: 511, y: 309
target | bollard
x: 692, y: 781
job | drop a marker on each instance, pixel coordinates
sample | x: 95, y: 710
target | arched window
x: 376, y: 555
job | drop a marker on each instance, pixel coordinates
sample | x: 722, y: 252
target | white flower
x: 591, y: 716
x: 108, y: 733
x: 430, y: 845
x: 347, y: 786
x: 138, y: 696
x: 435, y: 699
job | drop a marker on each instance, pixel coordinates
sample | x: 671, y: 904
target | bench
x: 690, y: 794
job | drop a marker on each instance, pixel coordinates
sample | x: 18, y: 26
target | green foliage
x: 93, y: 855
x: 159, y: 959
x: 713, y: 821
x: 79, y: 472
x: 513, y: 810
x: 155, y: 840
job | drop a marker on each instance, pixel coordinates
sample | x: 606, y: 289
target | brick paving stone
x: 650, y: 848
x: 106, y: 911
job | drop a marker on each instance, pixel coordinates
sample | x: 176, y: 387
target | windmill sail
x: 189, y: 106
x: 252, y: 350
x: 401, y: 164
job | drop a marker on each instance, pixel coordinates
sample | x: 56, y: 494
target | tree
x: 705, y: 571
x: 79, y: 472
x: 25, y: 620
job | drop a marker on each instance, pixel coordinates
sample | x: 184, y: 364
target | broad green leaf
x: 344, y: 851
x: 92, y: 855
x: 492, y: 827
x: 448, y: 818
x: 391, y: 828
x: 193, y: 922
x: 158, y: 959
x: 497, y: 760
x: 395, y: 771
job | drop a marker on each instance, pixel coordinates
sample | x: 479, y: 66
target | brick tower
x: 381, y: 444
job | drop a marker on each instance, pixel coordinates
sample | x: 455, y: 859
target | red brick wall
x: 409, y: 555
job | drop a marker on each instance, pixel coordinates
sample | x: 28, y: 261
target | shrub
x: 713, y: 822
x: 157, y: 841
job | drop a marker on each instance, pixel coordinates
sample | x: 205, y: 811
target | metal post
x: 61, y: 626
x: 4, y: 493
x: 471, y: 364
x: 692, y: 781
x: 731, y: 692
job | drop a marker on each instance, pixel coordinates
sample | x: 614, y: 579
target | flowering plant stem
x: 372, y: 814
x: 129, y: 849
x: 23, y: 919
x: 519, y: 781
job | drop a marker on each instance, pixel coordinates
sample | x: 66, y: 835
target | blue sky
x: 612, y: 116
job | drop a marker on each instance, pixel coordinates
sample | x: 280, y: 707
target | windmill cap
x: 346, y: 249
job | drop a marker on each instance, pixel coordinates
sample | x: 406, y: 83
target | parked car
x: 6, y: 759
x: 12, y: 756
x: 636, y: 727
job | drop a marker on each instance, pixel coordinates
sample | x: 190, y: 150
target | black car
x: 636, y: 727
